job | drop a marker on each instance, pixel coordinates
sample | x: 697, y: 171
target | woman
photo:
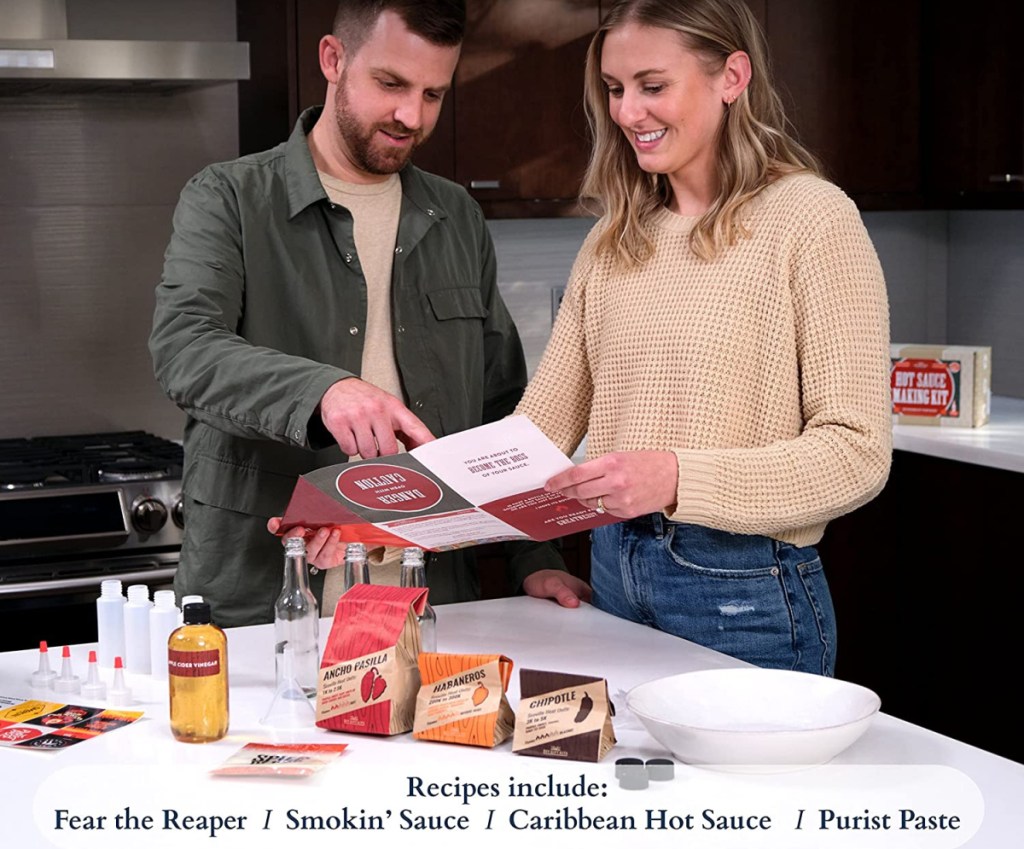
x: 723, y: 342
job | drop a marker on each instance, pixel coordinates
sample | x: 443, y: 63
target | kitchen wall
x: 953, y: 278
x: 88, y: 184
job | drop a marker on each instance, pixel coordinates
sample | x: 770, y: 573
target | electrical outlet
x: 556, y: 300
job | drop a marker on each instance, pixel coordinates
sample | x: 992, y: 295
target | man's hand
x: 368, y: 421
x: 628, y: 483
x: 324, y: 549
x: 566, y: 589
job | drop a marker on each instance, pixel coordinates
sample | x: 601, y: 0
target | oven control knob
x: 148, y: 515
x: 178, y: 512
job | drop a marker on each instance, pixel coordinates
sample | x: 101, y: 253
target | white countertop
x: 999, y: 443
x: 141, y: 767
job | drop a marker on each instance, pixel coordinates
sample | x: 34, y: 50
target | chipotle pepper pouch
x: 462, y: 699
x: 369, y: 676
x: 562, y: 715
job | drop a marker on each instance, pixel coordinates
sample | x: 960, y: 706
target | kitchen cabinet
x: 974, y: 105
x: 512, y: 129
x: 925, y: 590
x: 849, y: 77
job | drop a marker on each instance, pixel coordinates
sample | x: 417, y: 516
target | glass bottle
x: 297, y: 620
x: 357, y: 571
x: 414, y: 574
x: 197, y: 669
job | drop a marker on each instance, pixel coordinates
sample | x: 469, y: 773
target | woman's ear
x: 332, y: 58
x: 735, y: 76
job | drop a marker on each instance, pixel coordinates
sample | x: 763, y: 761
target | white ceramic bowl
x: 735, y: 719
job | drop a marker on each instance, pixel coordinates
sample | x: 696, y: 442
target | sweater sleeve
x: 558, y: 398
x: 841, y: 457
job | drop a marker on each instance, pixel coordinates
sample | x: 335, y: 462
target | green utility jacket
x: 262, y: 307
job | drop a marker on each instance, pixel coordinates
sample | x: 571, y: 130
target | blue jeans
x: 752, y: 597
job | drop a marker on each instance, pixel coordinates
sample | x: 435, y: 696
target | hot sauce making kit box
x: 943, y: 386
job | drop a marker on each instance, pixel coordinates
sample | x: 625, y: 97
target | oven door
x: 60, y: 606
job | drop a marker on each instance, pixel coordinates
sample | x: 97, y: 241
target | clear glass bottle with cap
x: 297, y: 620
x: 357, y: 570
x: 414, y: 574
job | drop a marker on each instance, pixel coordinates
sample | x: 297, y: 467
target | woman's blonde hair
x: 754, y: 146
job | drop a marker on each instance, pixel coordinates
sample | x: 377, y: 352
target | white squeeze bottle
x: 110, y: 621
x: 163, y: 618
x: 136, y: 629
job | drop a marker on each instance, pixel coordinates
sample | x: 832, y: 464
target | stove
x: 76, y: 510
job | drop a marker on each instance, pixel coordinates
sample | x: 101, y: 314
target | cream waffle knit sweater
x: 765, y: 371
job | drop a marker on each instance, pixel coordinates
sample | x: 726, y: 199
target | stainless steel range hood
x: 37, y: 55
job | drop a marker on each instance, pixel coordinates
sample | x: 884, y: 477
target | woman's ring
x: 600, y: 504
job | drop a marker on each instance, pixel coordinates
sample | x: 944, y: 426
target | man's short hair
x: 441, y: 22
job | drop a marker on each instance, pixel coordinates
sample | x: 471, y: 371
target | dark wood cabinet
x: 925, y: 587
x: 520, y: 134
x: 512, y: 129
x: 910, y: 104
x: 849, y: 77
x: 974, y: 104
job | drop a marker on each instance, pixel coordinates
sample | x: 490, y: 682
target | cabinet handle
x: 485, y: 184
x: 1006, y: 178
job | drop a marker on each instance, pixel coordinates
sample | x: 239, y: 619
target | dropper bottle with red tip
x: 43, y: 677
x: 93, y: 688
x: 67, y: 681
x: 119, y: 693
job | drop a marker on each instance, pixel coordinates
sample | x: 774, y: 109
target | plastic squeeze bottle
x: 164, y: 617
x: 136, y: 629
x: 110, y: 621
x: 197, y: 669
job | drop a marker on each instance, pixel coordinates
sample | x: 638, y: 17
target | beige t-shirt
x: 375, y: 209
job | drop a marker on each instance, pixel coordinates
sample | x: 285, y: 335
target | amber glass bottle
x: 197, y: 654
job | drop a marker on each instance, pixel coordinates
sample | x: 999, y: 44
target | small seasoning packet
x: 285, y: 760
x: 563, y: 715
x: 369, y: 676
x: 462, y: 699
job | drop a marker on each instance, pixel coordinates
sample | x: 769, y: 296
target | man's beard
x: 359, y: 140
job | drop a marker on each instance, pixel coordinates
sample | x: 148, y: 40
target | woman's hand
x: 624, y: 483
x: 323, y: 550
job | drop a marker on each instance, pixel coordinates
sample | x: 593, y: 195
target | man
x: 308, y: 288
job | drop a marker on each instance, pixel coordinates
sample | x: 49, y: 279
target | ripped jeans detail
x: 751, y: 597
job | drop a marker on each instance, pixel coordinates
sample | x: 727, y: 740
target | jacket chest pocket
x: 450, y: 304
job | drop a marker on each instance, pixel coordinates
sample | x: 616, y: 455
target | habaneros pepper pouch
x: 462, y: 699
x: 564, y: 716
x: 368, y: 676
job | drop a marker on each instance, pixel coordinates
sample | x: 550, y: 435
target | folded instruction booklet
x: 481, y: 485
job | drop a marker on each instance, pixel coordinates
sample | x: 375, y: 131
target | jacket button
x: 398, y: 250
x: 348, y: 257
x: 354, y: 330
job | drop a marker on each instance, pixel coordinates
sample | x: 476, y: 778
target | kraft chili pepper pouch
x: 462, y: 699
x: 564, y: 716
x: 369, y: 677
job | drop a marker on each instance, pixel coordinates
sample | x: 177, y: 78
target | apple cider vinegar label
x: 193, y: 664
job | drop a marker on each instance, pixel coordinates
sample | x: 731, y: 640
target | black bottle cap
x: 661, y: 769
x: 197, y: 613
